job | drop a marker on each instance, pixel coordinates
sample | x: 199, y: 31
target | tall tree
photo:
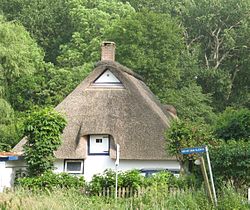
x: 19, y: 54
x: 8, y: 132
x: 152, y: 45
x: 90, y: 20
x: 47, y: 21
x: 19, y: 58
x: 219, y: 30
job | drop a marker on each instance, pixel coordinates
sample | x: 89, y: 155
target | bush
x: 133, y: 179
x: 163, y: 178
x: 49, y: 181
x: 43, y: 129
x: 233, y: 124
x: 231, y: 162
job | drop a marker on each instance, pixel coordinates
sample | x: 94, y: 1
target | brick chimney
x: 108, y: 51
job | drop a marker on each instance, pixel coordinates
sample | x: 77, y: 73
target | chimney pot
x: 108, y: 51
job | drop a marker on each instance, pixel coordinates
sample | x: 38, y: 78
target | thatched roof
x: 131, y: 114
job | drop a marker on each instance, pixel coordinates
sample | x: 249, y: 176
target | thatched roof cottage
x: 112, y: 106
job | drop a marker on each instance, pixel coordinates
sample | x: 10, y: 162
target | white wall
x: 98, y: 164
x: 93, y: 164
x: 5, y: 176
x: 59, y: 166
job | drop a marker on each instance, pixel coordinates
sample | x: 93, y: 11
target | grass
x: 65, y: 199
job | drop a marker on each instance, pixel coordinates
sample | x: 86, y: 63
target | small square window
x: 74, y: 166
x: 98, y: 140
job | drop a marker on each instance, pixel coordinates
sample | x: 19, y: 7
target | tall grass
x: 65, y: 199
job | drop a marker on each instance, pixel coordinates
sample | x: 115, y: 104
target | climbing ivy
x: 43, y: 129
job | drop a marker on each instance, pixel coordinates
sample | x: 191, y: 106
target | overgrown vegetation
x: 133, y: 179
x: 228, y: 141
x: 73, y: 199
x: 49, y: 181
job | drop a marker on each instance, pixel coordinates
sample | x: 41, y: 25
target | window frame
x: 81, y: 171
x: 96, y: 153
x: 107, y: 83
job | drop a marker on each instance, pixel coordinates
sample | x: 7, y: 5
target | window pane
x: 98, y: 140
x: 74, y: 166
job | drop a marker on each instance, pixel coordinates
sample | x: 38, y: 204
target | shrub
x: 43, y: 129
x: 233, y: 124
x: 183, y: 134
x: 231, y: 162
x: 133, y: 179
x: 164, y: 178
x: 50, y: 181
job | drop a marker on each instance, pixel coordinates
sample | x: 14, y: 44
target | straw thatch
x: 131, y: 115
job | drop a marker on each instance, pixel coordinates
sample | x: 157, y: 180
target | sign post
x: 186, y: 151
x: 117, y: 162
x: 204, y: 173
x: 211, y: 176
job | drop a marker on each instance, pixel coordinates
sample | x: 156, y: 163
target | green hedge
x: 50, y: 180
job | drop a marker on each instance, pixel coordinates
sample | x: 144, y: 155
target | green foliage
x: 231, y: 199
x: 19, y: 54
x: 50, y: 181
x: 231, y: 162
x: 134, y: 179
x: 43, y: 129
x: 233, y: 124
x: 90, y: 21
x: 8, y: 126
x: 160, y: 179
x: 160, y: 6
x: 191, y: 103
x: 184, y: 134
x: 151, y: 44
x: 218, y: 29
x: 131, y: 178
x: 51, y: 26
x: 65, y: 199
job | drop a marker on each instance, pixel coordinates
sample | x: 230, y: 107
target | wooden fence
x: 126, y: 192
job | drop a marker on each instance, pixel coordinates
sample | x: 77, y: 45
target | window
x: 73, y: 166
x: 98, y: 145
x: 98, y: 140
x: 107, y: 79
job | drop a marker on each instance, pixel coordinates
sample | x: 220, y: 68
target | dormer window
x: 98, y: 145
x: 107, y: 79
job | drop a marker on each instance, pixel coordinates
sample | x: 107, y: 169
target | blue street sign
x: 13, y: 158
x: 186, y: 151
